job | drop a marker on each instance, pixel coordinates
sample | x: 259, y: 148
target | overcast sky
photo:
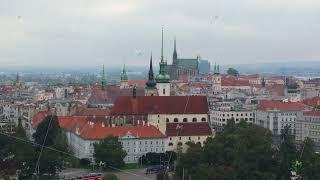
x: 92, y: 32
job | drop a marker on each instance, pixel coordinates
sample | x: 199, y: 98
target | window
x: 167, y: 119
x: 185, y: 120
x: 170, y: 144
x: 204, y: 119
x: 194, y: 119
x: 179, y: 143
x: 198, y: 138
x: 179, y: 138
x: 189, y: 138
x: 163, y: 91
x: 175, y: 120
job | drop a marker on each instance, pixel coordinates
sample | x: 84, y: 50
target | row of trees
x: 245, y: 151
x: 24, y: 155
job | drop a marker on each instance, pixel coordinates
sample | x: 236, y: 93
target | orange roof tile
x: 280, y: 105
x: 160, y: 105
x: 98, y: 130
x: 315, y: 101
x: 39, y: 117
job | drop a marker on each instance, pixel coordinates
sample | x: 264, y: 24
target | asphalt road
x: 134, y: 174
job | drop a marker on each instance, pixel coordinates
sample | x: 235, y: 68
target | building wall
x: 134, y: 146
x: 216, y: 83
x: 174, y: 143
x: 160, y: 120
x: 308, y: 126
x: 219, y: 118
x: 163, y: 89
x: 276, y: 120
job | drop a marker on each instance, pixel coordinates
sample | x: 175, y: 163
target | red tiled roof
x: 160, y: 105
x: 248, y: 76
x: 315, y: 101
x: 39, y: 117
x: 98, y: 131
x: 279, y: 105
x: 276, y: 88
x: 312, y: 113
x: 111, y: 93
x: 93, y: 112
x: 231, y: 81
x: 138, y: 83
x: 188, y: 129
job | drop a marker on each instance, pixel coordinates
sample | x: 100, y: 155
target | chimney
x: 134, y: 92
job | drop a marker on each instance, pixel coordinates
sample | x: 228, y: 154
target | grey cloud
x: 87, y: 32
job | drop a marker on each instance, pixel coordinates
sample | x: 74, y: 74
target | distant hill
x: 307, y: 68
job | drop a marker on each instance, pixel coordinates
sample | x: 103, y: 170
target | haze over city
x: 81, y: 33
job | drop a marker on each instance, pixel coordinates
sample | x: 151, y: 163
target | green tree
x: 51, y: 161
x: 232, y: 72
x: 110, y: 152
x: 287, y: 154
x: 241, y: 151
x: 310, y: 161
x: 42, y: 128
x: 24, y: 152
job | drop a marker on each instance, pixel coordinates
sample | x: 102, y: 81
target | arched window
x: 164, y: 91
x: 170, y: 144
x: 194, y: 119
x: 185, y: 120
x: 167, y: 119
x: 175, y: 120
x: 203, y: 119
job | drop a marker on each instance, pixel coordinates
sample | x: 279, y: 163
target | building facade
x: 308, y: 125
x: 225, y: 111
x: 183, y: 67
x: 276, y: 115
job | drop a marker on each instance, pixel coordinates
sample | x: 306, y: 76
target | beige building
x: 308, y: 125
x: 275, y: 115
x: 164, y: 113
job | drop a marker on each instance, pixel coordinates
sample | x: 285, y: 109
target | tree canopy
x: 110, y: 152
x: 51, y: 161
x: 242, y: 151
x: 232, y: 72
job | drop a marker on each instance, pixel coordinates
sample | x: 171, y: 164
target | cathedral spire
x: 124, y: 76
x: 175, y: 55
x: 162, y: 45
x: 151, y: 83
x: 103, y: 80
